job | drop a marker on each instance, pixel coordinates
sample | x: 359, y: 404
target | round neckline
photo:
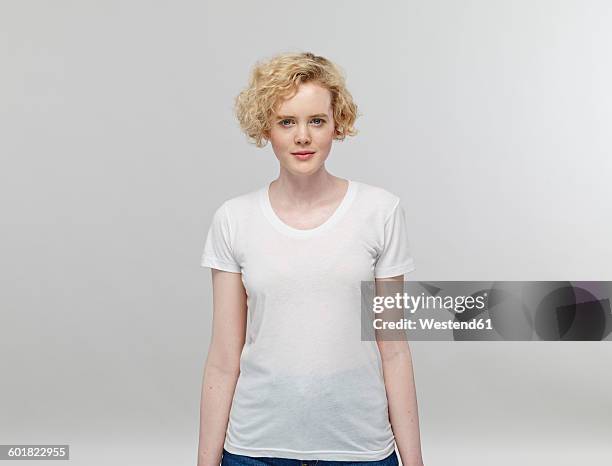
x: 346, y: 201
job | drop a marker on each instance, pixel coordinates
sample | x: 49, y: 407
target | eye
x: 318, y: 121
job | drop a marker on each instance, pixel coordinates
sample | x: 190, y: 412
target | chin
x: 303, y: 169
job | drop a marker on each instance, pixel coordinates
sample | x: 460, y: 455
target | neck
x: 306, y: 190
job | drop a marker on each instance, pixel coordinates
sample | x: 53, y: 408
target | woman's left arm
x: 401, y: 392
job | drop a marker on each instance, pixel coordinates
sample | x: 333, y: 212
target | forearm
x: 403, y: 410
x: 218, y: 386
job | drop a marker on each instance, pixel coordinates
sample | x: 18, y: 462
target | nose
x: 302, y: 136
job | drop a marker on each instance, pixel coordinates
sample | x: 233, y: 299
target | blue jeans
x: 231, y: 459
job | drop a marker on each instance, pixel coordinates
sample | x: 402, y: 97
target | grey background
x: 489, y: 118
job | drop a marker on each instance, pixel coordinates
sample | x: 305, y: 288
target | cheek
x: 278, y: 139
x: 327, y: 135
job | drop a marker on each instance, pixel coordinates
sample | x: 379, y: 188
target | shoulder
x: 240, y: 205
x: 377, y: 198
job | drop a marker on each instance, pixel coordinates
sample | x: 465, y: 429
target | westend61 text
x: 432, y: 324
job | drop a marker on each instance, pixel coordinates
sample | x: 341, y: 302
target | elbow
x: 223, y: 361
x: 394, y: 350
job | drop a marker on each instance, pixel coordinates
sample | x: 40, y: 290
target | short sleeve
x: 395, y: 258
x: 217, y: 252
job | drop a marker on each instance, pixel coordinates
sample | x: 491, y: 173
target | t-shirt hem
x: 395, y: 270
x: 323, y: 455
x: 213, y: 262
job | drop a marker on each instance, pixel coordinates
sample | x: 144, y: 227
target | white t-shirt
x: 309, y: 387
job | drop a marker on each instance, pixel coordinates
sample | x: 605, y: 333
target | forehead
x: 310, y: 98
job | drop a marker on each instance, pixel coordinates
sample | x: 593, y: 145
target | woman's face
x: 303, y: 123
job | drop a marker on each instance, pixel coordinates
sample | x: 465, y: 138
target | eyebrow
x: 282, y: 117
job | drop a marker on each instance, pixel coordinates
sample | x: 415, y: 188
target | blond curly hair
x: 278, y: 78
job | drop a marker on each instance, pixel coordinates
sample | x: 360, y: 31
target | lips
x: 303, y: 155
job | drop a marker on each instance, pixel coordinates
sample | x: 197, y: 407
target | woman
x: 297, y: 385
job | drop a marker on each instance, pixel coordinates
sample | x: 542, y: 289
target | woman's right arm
x: 222, y: 365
